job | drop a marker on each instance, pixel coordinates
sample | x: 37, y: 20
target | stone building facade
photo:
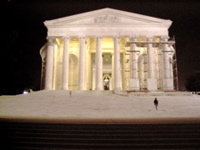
x: 108, y: 49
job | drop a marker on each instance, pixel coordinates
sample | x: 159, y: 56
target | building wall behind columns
x: 73, y: 72
x: 58, y: 58
x: 73, y: 63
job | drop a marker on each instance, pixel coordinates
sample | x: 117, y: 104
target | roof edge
x: 107, y: 9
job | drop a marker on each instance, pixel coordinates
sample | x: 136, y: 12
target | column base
x: 152, y: 84
x: 48, y: 88
x: 168, y: 84
x: 81, y: 89
x: 134, y: 84
x: 117, y: 89
x: 99, y: 88
x: 64, y: 88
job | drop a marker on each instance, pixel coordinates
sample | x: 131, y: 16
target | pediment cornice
x: 107, y: 17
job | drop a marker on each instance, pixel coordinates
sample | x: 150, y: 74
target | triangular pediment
x: 106, y: 16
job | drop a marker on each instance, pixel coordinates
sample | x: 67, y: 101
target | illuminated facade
x: 108, y: 49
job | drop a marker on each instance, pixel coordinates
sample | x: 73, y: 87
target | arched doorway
x: 106, y: 82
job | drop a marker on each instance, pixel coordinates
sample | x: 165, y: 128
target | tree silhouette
x: 193, y: 82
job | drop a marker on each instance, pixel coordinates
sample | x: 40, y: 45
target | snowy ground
x: 95, y: 105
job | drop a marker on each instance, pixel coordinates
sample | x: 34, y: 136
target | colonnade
x: 81, y: 74
x: 134, y: 79
x: 167, y: 76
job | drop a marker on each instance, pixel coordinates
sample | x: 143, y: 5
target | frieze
x: 106, y: 19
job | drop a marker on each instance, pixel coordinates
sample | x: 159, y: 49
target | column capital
x: 116, y: 37
x: 149, y: 38
x: 133, y: 38
x: 98, y: 37
x: 51, y: 40
x: 50, y: 37
x: 81, y: 37
x: 65, y: 38
x: 165, y: 38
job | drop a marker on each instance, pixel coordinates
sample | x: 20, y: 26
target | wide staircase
x: 31, y: 135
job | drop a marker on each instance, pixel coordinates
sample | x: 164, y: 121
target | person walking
x: 156, y: 103
x: 70, y: 93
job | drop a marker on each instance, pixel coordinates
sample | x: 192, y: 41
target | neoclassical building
x: 108, y: 49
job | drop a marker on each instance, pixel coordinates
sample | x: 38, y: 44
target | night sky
x: 23, y: 34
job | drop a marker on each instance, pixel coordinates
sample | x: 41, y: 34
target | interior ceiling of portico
x: 107, y: 58
x: 107, y: 42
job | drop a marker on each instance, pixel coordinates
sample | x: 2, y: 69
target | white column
x: 152, y: 81
x: 55, y: 53
x: 165, y: 59
x: 65, y: 64
x: 167, y: 80
x: 49, y: 65
x: 98, y: 64
x: 117, y: 68
x: 112, y: 73
x: 81, y: 76
x: 134, y: 81
x: 93, y: 72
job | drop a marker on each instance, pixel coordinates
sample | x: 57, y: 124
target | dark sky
x: 23, y: 34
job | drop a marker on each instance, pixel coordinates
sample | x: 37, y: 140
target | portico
x: 108, y: 49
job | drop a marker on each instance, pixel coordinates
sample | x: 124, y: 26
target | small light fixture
x: 106, y: 79
x: 25, y: 92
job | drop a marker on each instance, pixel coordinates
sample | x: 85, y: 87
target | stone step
x: 116, y: 145
x: 20, y: 135
x: 176, y: 93
x: 100, y: 132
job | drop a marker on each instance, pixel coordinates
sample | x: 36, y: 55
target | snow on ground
x: 97, y: 105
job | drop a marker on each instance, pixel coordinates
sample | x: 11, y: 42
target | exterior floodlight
x: 25, y: 92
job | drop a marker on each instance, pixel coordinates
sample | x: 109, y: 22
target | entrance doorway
x: 107, y: 71
x: 106, y: 82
